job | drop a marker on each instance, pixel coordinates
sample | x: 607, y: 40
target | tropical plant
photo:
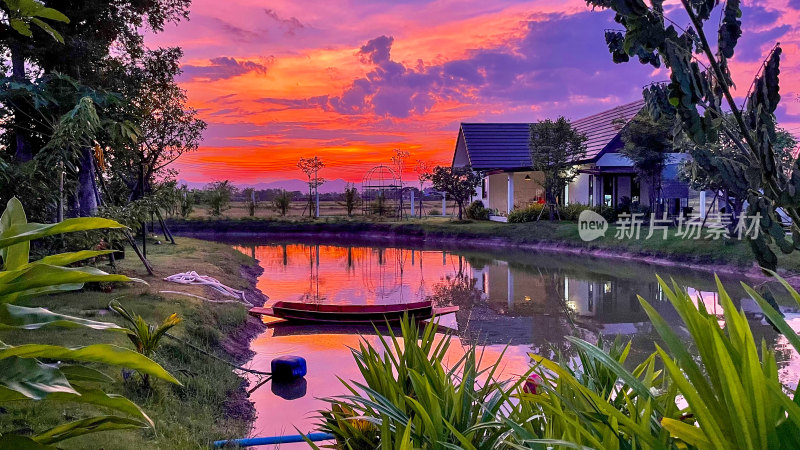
x: 700, y: 95
x: 410, y: 400
x: 24, y: 374
x: 281, y: 202
x: 458, y: 182
x: 144, y: 336
x: 719, y: 390
x: 555, y: 148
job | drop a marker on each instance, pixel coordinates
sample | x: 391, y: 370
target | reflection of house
x: 501, y: 152
x: 520, y: 291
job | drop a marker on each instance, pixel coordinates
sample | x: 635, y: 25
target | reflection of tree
x: 457, y: 290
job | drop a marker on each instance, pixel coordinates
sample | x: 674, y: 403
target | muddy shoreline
x: 237, y: 346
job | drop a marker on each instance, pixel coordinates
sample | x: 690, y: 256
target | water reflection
x: 523, y: 300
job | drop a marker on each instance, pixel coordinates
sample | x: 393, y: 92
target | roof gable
x: 506, y: 145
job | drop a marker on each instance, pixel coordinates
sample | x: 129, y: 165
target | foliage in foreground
x: 24, y: 374
x: 724, y: 393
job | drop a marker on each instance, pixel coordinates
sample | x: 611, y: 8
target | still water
x: 518, y: 301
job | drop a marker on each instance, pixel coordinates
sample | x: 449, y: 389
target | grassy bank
x: 211, y: 404
x: 702, y: 251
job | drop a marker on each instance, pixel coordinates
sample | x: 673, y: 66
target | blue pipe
x: 250, y: 442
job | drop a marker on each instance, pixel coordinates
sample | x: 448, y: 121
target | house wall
x: 460, y: 157
x: 579, y: 189
x: 497, y: 192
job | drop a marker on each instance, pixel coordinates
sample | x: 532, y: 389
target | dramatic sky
x: 351, y: 80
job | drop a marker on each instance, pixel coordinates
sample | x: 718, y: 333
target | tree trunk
x: 550, y: 204
x: 86, y: 185
x: 460, y: 209
x: 23, y: 151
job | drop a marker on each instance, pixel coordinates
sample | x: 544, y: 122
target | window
x: 608, y: 191
x: 591, y: 190
x: 483, y: 187
x: 636, y: 190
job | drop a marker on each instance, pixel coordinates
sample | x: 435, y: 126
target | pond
x: 516, y: 301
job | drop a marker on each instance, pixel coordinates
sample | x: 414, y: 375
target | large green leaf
x: 98, y: 353
x: 31, y: 231
x: 99, y: 398
x: 63, y: 259
x: 14, y: 256
x: 14, y: 316
x: 79, y: 373
x: 16, y: 284
x: 87, y: 426
x: 31, y: 379
x: 19, y: 442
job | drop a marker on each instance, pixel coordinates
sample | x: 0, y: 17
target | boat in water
x: 356, y: 314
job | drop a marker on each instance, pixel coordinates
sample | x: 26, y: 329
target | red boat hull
x: 310, y: 312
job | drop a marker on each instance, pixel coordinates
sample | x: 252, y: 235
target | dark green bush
x: 476, y: 211
x: 608, y: 213
x: 528, y: 214
x: 572, y: 211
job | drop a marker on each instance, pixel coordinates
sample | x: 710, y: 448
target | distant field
x: 326, y: 209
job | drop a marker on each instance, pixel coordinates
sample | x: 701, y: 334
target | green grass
x: 703, y: 251
x: 188, y: 416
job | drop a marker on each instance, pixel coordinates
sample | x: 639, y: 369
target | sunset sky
x: 352, y: 80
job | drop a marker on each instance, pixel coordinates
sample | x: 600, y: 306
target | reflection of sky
x: 531, y: 306
x: 350, y: 275
x: 328, y: 356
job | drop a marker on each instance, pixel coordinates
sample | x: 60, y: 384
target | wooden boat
x: 312, y: 312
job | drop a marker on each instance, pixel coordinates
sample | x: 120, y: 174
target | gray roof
x: 505, y: 145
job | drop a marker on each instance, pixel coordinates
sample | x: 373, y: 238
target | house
x: 500, y: 151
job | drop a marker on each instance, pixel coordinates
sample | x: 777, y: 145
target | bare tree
x: 311, y: 167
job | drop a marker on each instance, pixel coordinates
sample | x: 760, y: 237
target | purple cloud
x: 221, y: 68
x: 290, y: 25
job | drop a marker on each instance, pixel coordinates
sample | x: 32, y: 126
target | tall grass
x: 719, y: 390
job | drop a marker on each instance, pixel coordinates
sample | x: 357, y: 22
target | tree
x: 350, y: 198
x: 699, y: 95
x: 168, y: 127
x: 646, y: 144
x: 98, y: 35
x: 250, y: 200
x: 555, y: 148
x: 218, y: 195
x: 423, y: 169
x: 458, y: 182
x: 311, y: 167
x: 399, y: 161
x: 281, y: 202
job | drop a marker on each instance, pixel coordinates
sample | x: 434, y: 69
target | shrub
x: 527, y: 214
x: 608, y: 213
x: 434, y: 212
x: 281, y: 203
x: 476, y: 211
x: 572, y: 211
